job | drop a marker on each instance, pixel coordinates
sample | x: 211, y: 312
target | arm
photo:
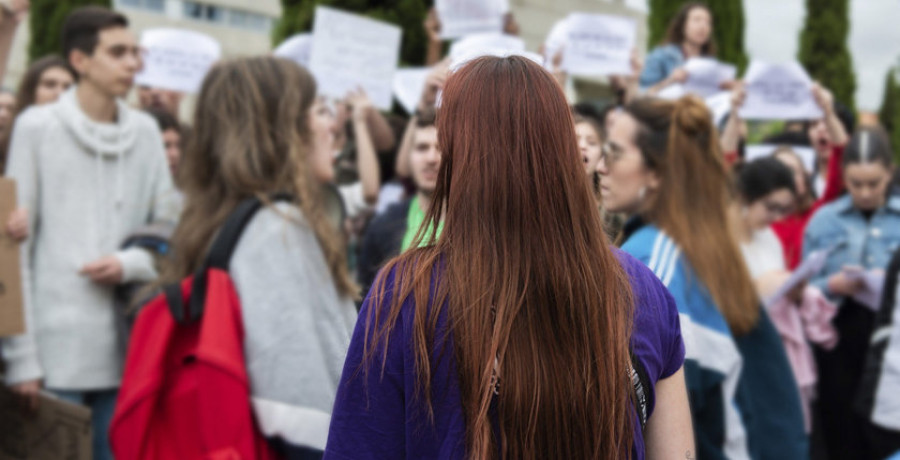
x: 834, y: 183
x: 825, y: 100
x: 669, y: 433
x: 11, y: 14
x: 432, y: 27
x: 731, y: 135
x: 401, y: 164
x: 367, y: 161
x: 380, y: 130
x: 433, y: 85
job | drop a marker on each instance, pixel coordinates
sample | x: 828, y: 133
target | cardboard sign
x: 807, y: 154
x: 12, y: 313
x: 409, y: 85
x: 350, y: 51
x: 705, y: 76
x: 460, y: 18
x: 296, y: 48
x: 599, y: 44
x: 177, y: 59
x: 779, y: 92
x: 57, y: 430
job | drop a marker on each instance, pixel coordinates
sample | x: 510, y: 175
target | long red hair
x: 522, y: 271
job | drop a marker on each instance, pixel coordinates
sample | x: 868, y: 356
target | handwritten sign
x: 460, y: 18
x: 177, y: 59
x: 778, y: 92
x: 296, y: 48
x: 409, y: 85
x: 807, y: 154
x: 350, y: 51
x: 599, y: 44
x: 706, y: 75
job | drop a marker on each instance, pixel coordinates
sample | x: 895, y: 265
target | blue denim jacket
x: 660, y: 63
x: 855, y: 240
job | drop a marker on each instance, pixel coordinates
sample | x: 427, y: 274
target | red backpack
x: 185, y: 392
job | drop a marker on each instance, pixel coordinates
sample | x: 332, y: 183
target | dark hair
x: 32, y: 78
x: 82, y: 28
x: 869, y: 145
x: 425, y: 118
x: 675, y: 33
x: 164, y: 119
x: 763, y: 176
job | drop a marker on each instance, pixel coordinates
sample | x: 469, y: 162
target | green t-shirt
x: 414, y: 220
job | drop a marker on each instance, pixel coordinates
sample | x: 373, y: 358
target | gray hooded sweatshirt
x: 85, y: 185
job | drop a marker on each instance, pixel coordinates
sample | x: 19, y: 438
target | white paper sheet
x: 296, y: 48
x: 478, y: 45
x: 460, y: 18
x: 350, y: 51
x: 177, y: 59
x: 778, y: 92
x: 599, y: 44
x: 807, y: 154
x: 705, y: 75
x: 408, y: 86
x: 873, y: 286
x: 807, y: 269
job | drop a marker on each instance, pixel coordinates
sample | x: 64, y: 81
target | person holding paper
x: 435, y: 47
x: 150, y: 97
x: 462, y: 355
x: 270, y: 134
x: 690, y: 34
x: 861, y: 231
x: 89, y: 170
x: 661, y: 165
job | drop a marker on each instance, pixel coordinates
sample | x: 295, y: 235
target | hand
x: 738, y: 96
x: 17, y: 225
x: 107, y: 270
x: 29, y: 391
x: 678, y: 75
x: 359, y: 103
x: 432, y: 26
x: 840, y: 284
x: 729, y: 85
x: 434, y: 82
x: 510, y: 25
x: 823, y: 98
x: 15, y: 10
x: 795, y: 295
x: 637, y: 64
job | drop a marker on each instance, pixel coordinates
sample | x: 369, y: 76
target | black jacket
x: 381, y: 242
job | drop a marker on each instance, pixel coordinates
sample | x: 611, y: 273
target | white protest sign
x: 177, y: 59
x: 296, y: 48
x: 720, y: 106
x: 807, y: 154
x: 555, y: 42
x: 778, y: 92
x: 706, y: 75
x: 489, y: 44
x: 599, y: 44
x: 460, y: 18
x: 409, y: 85
x: 350, y: 51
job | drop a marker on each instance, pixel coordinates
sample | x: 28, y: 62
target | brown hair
x: 544, y: 298
x: 806, y: 200
x: 675, y: 33
x: 82, y: 27
x: 679, y: 142
x: 250, y: 138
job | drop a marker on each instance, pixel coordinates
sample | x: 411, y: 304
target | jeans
x: 102, y: 403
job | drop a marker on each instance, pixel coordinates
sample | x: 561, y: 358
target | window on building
x: 203, y: 12
x: 152, y: 5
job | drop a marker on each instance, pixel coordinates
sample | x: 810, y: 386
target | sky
x: 772, y: 34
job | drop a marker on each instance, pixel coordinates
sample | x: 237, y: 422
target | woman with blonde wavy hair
x: 661, y: 165
x: 259, y: 130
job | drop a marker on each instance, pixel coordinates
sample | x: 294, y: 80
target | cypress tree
x: 46, y: 18
x: 728, y: 26
x: 298, y: 16
x: 823, y: 48
x: 889, y: 115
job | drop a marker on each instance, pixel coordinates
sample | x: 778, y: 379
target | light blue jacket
x: 660, y: 63
x: 855, y: 240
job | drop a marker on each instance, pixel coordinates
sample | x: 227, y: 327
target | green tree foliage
x: 728, y: 27
x: 823, y: 47
x: 298, y: 15
x: 46, y: 19
x: 889, y: 115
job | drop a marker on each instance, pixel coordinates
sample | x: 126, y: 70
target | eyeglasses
x: 778, y: 208
x: 609, y: 153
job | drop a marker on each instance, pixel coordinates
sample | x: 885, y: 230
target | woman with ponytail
x: 511, y: 334
x: 661, y: 165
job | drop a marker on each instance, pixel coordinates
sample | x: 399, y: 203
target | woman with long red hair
x: 517, y: 332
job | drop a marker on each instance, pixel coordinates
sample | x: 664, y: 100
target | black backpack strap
x: 223, y: 246
x: 641, y: 388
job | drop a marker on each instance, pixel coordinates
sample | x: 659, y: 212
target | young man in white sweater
x: 89, y: 170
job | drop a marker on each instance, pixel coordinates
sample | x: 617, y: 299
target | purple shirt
x: 379, y: 417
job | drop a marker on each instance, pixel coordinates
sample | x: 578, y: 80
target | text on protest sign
x: 599, y: 44
x: 460, y: 18
x: 779, y: 92
x: 350, y: 51
x: 176, y: 59
x: 706, y: 75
